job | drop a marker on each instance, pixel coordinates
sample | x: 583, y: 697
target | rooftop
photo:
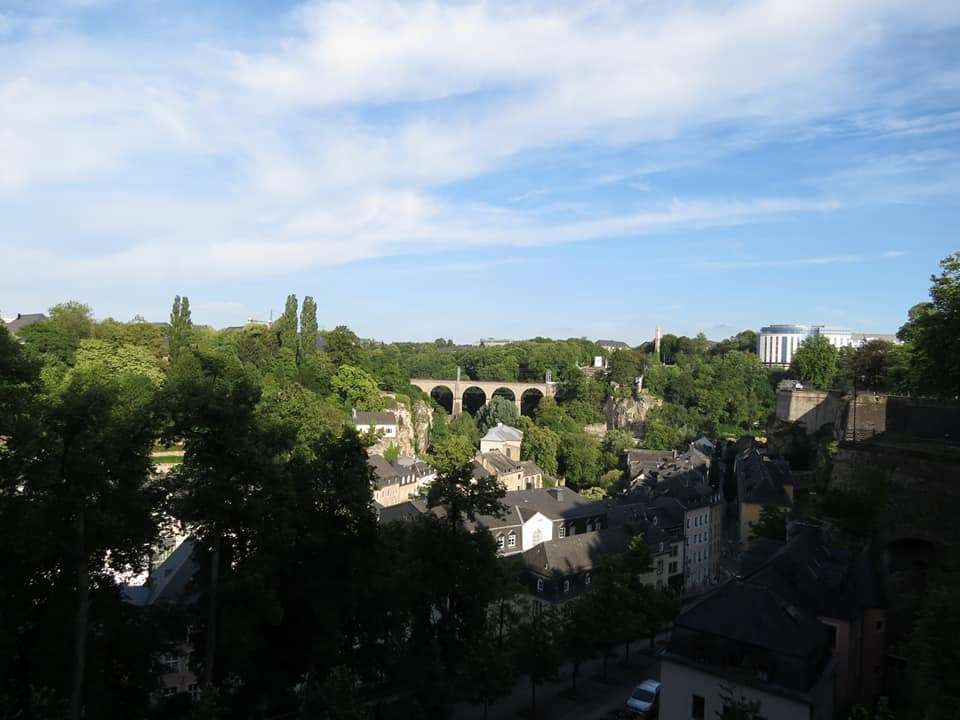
x: 383, y: 417
x: 503, y: 433
x: 23, y: 320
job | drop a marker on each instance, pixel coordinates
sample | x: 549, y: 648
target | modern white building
x: 777, y: 344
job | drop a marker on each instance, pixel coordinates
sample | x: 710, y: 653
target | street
x: 594, y: 700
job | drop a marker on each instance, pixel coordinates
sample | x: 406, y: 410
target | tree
x: 815, y: 362
x: 771, y: 524
x: 498, y: 410
x: 456, y: 490
x: 579, y: 460
x: 181, y: 326
x: 57, y: 339
x: 613, y: 445
x: 540, y: 445
x: 92, y: 478
x: 623, y: 368
x: 106, y: 358
x: 932, y: 332
x: 357, y: 388
x: 308, y: 328
x: 537, y: 648
x: 876, y: 365
x: 286, y: 325
x: 211, y: 402
x: 489, y: 674
x: 344, y: 347
x: 577, y: 636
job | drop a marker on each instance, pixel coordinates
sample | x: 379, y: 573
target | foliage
x: 181, y: 326
x: 540, y: 445
x: 932, y: 332
x: 623, y: 368
x: 857, y: 507
x: 344, y: 348
x: 107, y: 358
x: 815, y: 362
x: 579, y: 459
x: 497, y: 410
x: 308, y: 328
x: 57, y: 339
x: 612, y: 447
x: 878, y: 365
x: 537, y: 647
x: 771, y: 524
x: 357, y: 388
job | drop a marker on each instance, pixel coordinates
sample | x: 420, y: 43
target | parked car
x: 644, y: 701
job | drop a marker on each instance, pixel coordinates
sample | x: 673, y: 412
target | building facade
x: 777, y: 344
x: 504, y: 438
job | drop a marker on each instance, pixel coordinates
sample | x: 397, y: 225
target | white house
x: 384, y: 423
x: 504, y: 438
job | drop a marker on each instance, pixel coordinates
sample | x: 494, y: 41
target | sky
x: 477, y: 169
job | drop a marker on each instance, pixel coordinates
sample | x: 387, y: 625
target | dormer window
x: 512, y: 540
x: 587, y: 579
x: 500, y: 542
x: 539, y: 585
x: 566, y: 586
x: 562, y: 532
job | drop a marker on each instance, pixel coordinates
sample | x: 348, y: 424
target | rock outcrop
x: 413, y: 429
x: 628, y: 413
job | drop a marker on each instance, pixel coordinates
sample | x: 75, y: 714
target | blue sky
x: 463, y: 169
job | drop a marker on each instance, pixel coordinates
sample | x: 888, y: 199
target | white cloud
x: 335, y: 141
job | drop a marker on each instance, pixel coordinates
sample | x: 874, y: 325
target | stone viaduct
x: 459, y: 387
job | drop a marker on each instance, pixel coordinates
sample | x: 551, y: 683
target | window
x: 659, y: 567
x: 698, y: 709
x: 537, y: 536
x: 673, y: 551
x: 589, y: 525
x: 500, y: 542
x: 672, y: 568
x: 566, y: 586
x: 587, y: 579
x: 688, y: 522
x: 539, y: 585
x: 562, y: 532
x: 511, y: 541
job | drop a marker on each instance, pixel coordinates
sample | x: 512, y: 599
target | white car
x: 644, y: 701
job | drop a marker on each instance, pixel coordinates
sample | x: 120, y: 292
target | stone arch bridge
x: 460, y: 387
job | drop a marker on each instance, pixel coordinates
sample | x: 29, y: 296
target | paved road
x: 595, y: 698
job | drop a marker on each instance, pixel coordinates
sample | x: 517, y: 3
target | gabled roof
x: 612, y: 343
x: 496, y: 461
x: 576, y: 553
x: 402, y: 512
x: 23, y: 320
x: 169, y: 581
x: 503, y: 433
x: 374, y: 418
x: 762, y: 479
x: 755, y: 615
x: 553, y: 503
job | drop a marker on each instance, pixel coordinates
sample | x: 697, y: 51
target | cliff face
x: 413, y: 429
x: 629, y: 414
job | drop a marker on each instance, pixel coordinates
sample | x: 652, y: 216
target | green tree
x: 92, y: 478
x: 537, y: 648
x: 540, y: 445
x: 308, y: 328
x: 488, y: 673
x: 932, y: 332
x: 181, y: 326
x: 106, y: 358
x: 344, y: 347
x: 497, y: 410
x: 357, y: 388
x: 623, y: 368
x: 577, y: 636
x: 815, y: 362
x: 613, y: 445
x: 455, y: 489
x: 579, y: 460
x: 286, y: 325
x: 57, y: 339
x: 771, y: 524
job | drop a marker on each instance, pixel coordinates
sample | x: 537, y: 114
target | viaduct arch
x: 460, y: 386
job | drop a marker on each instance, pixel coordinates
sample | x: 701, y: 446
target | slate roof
x: 503, y: 433
x: 169, y: 581
x: 762, y: 480
x: 374, y: 418
x: 552, y: 503
x: 823, y: 580
x: 530, y: 468
x: 612, y: 343
x: 22, y: 320
x: 754, y: 615
x: 576, y: 553
x: 402, y: 512
x: 499, y: 462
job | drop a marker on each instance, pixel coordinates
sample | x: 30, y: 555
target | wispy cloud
x: 338, y: 135
x: 843, y: 259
